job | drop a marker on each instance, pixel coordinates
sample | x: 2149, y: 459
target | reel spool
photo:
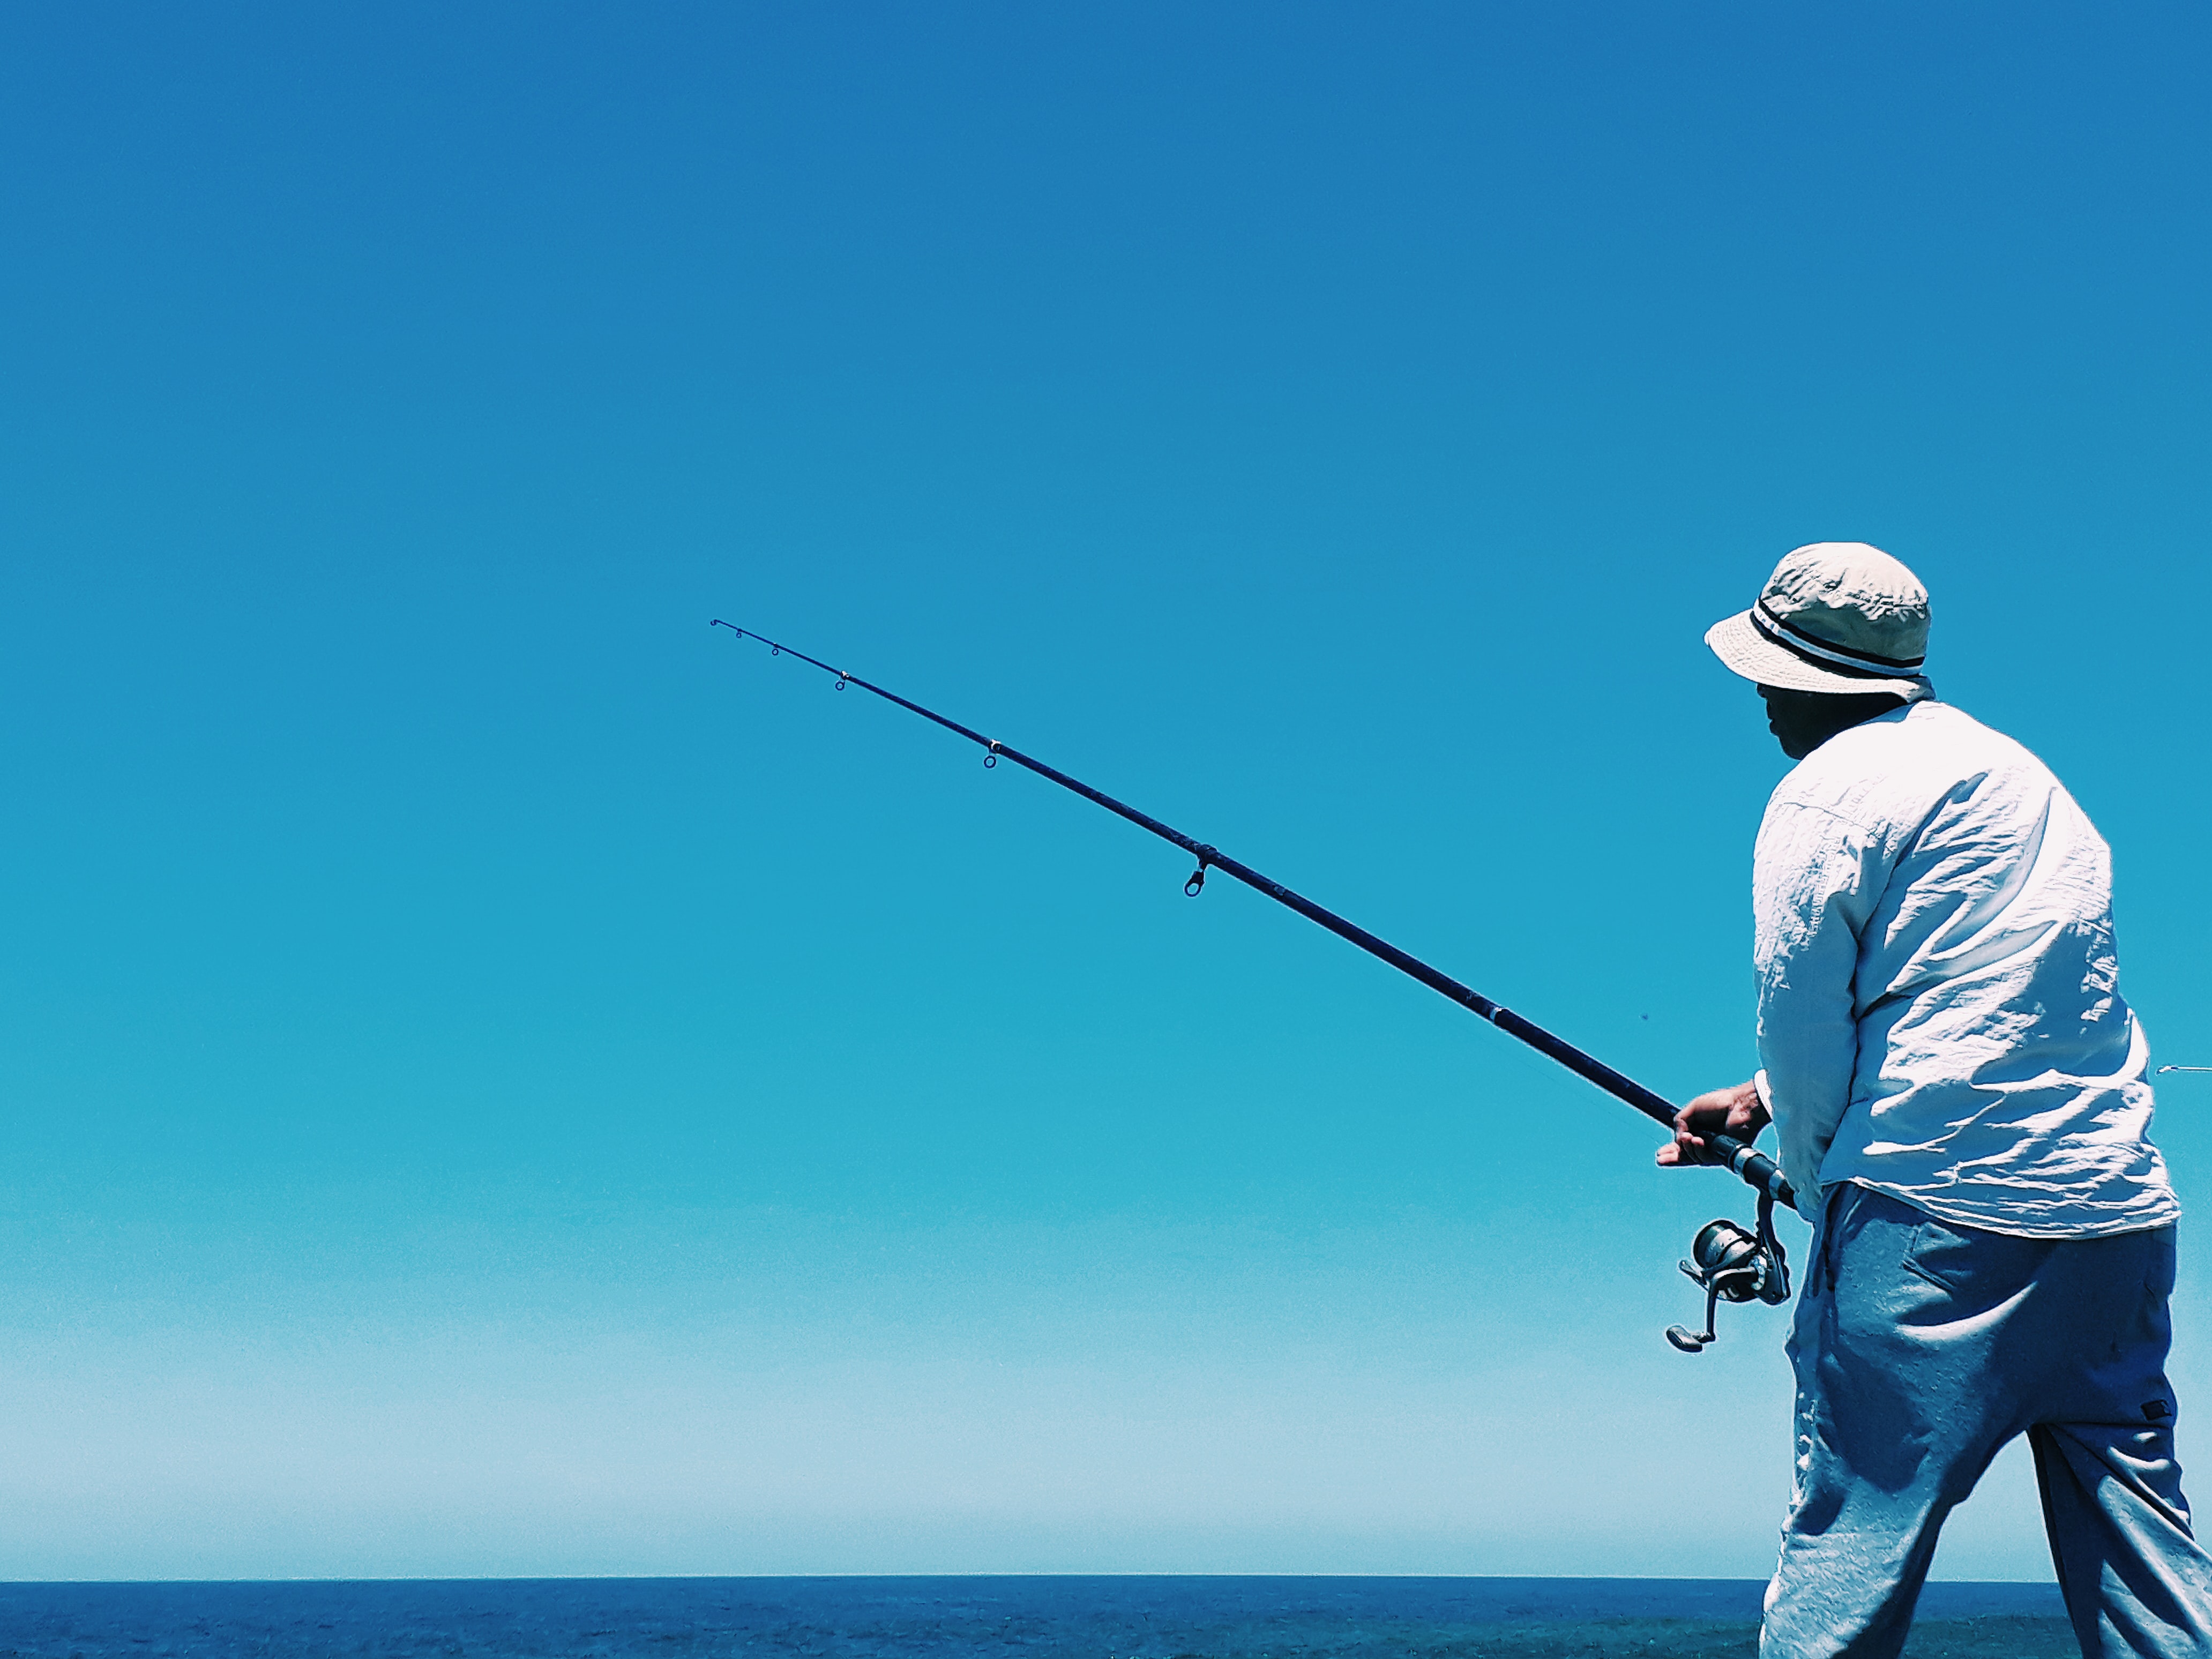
x: 1731, y: 1264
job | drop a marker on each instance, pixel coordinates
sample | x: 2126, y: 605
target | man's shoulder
x: 1898, y: 765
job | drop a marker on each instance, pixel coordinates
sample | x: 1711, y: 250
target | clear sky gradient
x: 499, y: 1078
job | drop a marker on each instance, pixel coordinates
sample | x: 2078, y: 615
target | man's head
x: 1839, y: 636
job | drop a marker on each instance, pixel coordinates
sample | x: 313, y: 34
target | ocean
x: 1039, y: 1618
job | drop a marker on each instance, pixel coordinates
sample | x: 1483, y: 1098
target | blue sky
x: 500, y: 1078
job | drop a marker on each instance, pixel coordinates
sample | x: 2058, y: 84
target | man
x: 1959, y: 1094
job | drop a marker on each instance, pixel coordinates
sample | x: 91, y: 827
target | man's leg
x: 2135, y: 1579
x: 1904, y: 1395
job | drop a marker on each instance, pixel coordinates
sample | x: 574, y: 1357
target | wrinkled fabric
x: 1920, y: 1349
x: 1939, y: 1007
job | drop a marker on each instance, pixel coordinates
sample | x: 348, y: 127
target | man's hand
x: 1727, y: 1111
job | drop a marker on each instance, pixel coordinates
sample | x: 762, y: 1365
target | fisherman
x: 1958, y: 1092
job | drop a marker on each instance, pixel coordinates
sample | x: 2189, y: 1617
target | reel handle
x: 1690, y: 1342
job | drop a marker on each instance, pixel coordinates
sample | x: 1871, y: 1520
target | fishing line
x: 1729, y: 1262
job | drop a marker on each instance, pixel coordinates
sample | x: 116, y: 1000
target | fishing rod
x: 1728, y: 1262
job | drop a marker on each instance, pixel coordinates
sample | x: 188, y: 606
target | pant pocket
x: 2158, y: 1276
x: 1974, y: 1267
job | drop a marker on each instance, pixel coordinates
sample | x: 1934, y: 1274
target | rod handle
x: 1757, y: 1170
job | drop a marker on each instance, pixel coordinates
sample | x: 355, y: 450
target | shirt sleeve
x: 1816, y: 878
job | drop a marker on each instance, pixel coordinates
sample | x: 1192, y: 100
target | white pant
x: 1920, y: 1349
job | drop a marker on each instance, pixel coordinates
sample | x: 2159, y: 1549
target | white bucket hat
x: 1835, y: 616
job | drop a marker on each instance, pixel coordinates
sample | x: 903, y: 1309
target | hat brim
x: 1744, y: 650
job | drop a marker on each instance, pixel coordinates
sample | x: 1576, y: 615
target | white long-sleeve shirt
x: 1939, y: 1010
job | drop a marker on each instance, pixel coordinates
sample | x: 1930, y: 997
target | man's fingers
x: 1732, y: 1111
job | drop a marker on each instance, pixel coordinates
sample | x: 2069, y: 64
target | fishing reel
x: 1732, y: 1265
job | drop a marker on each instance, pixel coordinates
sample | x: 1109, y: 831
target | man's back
x: 1947, y: 1053
x: 1939, y: 1010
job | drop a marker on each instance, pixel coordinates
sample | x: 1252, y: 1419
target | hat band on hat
x: 1796, y: 639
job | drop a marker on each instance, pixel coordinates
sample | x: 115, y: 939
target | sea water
x: 1040, y: 1618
